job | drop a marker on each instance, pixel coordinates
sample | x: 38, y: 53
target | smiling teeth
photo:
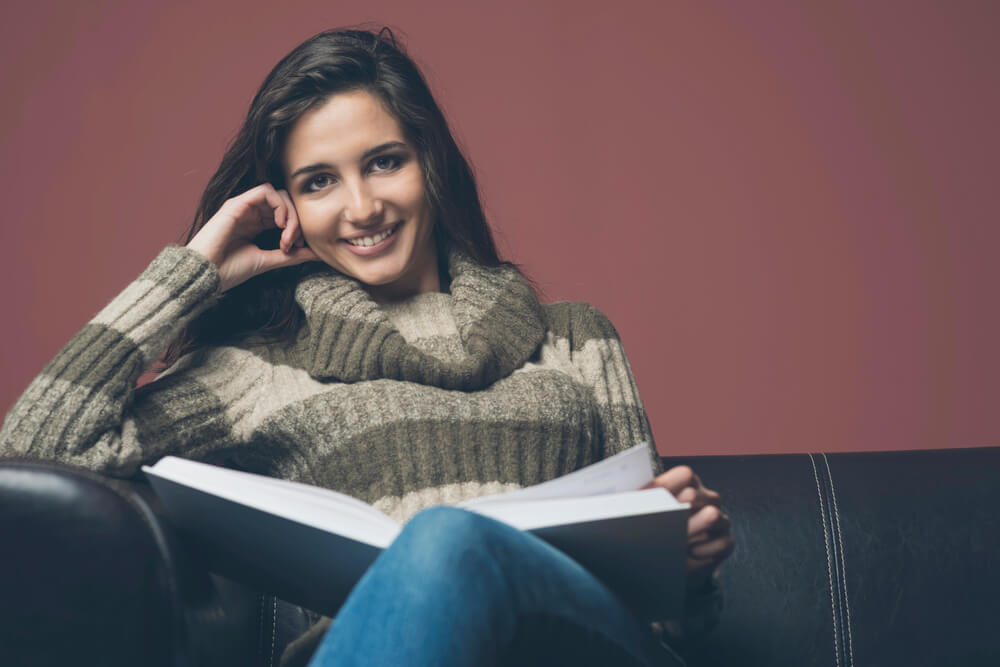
x: 372, y: 240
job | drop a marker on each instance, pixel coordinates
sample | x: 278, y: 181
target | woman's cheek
x: 311, y: 221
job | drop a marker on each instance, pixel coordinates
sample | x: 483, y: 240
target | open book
x: 310, y: 545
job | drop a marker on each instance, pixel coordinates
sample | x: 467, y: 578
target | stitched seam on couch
x: 843, y: 562
x: 274, y: 631
x: 843, y: 640
x: 830, y: 563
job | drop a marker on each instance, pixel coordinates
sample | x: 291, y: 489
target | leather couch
x: 878, y: 558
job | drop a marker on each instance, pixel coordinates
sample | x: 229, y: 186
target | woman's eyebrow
x: 308, y: 169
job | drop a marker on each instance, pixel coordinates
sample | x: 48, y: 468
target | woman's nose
x: 363, y: 207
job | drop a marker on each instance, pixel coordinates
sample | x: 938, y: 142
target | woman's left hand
x: 709, y: 540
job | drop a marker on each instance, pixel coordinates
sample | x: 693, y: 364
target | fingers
x: 675, y: 479
x: 301, y: 255
x: 716, y: 549
x: 686, y: 487
x: 276, y: 259
x: 699, y: 497
x: 291, y: 236
x: 709, y: 520
x: 276, y: 208
x: 687, y: 495
x: 263, y: 207
x: 709, y: 539
x: 260, y: 208
x: 709, y: 554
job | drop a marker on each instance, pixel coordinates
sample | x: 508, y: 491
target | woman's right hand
x: 226, y: 239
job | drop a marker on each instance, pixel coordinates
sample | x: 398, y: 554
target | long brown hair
x: 328, y: 63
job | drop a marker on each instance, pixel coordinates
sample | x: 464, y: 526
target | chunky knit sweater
x: 442, y: 397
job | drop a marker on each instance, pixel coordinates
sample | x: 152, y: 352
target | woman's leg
x: 457, y: 588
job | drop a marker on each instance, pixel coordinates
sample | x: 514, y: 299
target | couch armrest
x: 90, y: 574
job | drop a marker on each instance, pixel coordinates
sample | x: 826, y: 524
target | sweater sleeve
x: 597, y: 352
x: 598, y: 356
x: 82, y: 408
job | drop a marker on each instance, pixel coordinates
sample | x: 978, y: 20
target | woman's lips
x: 379, y: 241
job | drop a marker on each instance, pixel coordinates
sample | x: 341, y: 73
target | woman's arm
x: 83, y: 408
x: 75, y: 410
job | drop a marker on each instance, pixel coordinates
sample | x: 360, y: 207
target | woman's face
x: 358, y: 190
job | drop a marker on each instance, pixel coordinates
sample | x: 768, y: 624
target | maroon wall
x: 788, y: 211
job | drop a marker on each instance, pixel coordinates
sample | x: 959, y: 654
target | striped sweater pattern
x: 436, y: 399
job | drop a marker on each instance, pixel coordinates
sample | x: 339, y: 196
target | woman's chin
x: 375, y: 278
x: 391, y: 276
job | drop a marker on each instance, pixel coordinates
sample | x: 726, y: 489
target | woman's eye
x: 318, y: 182
x: 382, y: 163
x: 385, y: 163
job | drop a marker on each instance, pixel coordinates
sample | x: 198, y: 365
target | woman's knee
x: 451, y: 540
x: 441, y: 529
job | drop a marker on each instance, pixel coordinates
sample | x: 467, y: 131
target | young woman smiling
x: 339, y: 316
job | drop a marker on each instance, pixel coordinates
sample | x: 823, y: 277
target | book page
x: 532, y: 514
x: 310, y: 505
x: 626, y: 471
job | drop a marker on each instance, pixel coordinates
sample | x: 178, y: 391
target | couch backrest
x: 882, y: 558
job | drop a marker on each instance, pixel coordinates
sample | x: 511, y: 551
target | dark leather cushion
x: 882, y: 558
x: 83, y: 581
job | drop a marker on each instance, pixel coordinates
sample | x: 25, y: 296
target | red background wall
x: 789, y: 211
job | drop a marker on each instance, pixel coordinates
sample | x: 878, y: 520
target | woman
x: 339, y: 316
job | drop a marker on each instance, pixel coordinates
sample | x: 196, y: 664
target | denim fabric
x: 457, y: 588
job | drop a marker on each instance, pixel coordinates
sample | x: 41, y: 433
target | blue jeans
x: 457, y: 588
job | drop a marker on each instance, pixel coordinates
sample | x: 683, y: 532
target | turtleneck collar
x: 347, y: 336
